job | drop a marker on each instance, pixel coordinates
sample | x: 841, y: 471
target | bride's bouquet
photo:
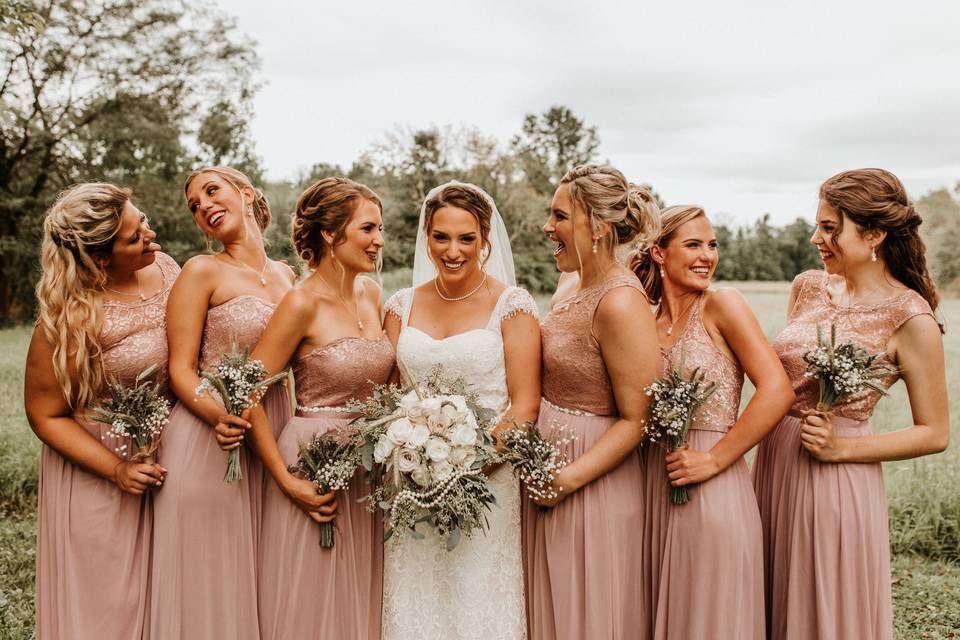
x: 843, y: 370
x: 428, y: 446
x: 138, y: 412
x: 330, y: 460
x: 675, y: 400
x: 241, y: 382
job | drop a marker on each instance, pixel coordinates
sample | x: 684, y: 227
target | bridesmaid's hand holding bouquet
x: 241, y: 383
x: 329, y: 460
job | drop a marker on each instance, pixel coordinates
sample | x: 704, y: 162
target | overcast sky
x: 742, y: 107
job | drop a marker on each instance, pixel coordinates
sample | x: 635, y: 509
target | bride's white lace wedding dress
x: 475, y: 590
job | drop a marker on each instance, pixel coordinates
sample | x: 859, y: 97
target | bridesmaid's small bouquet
x: 241, y: 382
x: 330, y: 460
x: 675, y: 402
x: 535, y: 459
x: 427, y: 446
x: 139, y: 412
x: 843, y: 370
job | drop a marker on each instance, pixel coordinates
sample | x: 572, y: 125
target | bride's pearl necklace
x: 463, y: 297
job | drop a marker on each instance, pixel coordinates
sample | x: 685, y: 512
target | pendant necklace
x: 259, y: 274
x: 682, y: 314
x: 463, y: 297
x: 139, y: 292
x: 356, y: 303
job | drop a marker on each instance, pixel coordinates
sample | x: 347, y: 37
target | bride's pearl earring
x: 873, y: 255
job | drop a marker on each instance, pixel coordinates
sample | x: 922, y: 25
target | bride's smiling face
x: 454, y: 240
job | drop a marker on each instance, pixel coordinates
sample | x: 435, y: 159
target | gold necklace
x: 682, y: 314
x: 463, y: 297
x: 356, y: 303
x: 259, y: 274
x: 139, y: 292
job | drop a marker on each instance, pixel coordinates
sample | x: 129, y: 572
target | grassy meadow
x: 923, y: 496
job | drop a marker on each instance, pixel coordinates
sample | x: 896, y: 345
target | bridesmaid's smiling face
x: 690, y: 258
x: 454, y: 240
x: 218, y: 207
x: 841, y: 243
x: 358, y: 248
x: 569, y: 227
x: 133, y: 246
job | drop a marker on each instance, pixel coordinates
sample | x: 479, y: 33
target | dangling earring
x: 594, y: 245
x: 663, y: 274
x: 873, y: 254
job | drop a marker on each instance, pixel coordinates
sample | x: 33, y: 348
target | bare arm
x: 521, y: 353
x: 917, y: 347
x: 627, y: 335
x: 729, y: 313
x: 51, y: 419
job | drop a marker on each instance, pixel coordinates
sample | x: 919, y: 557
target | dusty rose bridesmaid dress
x: 307, y: 591
x: 825, y: 536
x: 204, y: 582
x: 706, y: 556
x: 583, y: 557
x: 93, y: 540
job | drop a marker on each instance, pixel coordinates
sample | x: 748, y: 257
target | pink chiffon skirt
x: 825, y: 537
x: 204, y: 582
x: 705, y: 570
x: 307, y: 591
x: 93, y: 552
x: 583, y: 557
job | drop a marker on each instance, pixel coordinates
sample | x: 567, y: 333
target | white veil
x: 500, y: 263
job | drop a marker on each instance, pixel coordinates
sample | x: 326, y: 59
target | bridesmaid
x: 330, y: 325
x: 706, y: 569
x: 204, y: 545
x: 102, y: 296
x: 822, y: 504
x: 583, y: 557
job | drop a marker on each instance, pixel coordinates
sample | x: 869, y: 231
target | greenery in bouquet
x: 138, y: 412
x: 240, y: 382
x: 535, y: 459
x: 329, y: 459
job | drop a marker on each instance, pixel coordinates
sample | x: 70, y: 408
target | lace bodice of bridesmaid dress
x: 134, y: 335
x: 574, y: 374
x: 698, y: 351
x: 241, y: 319
x: 871, y: 326
x: 343, y: 370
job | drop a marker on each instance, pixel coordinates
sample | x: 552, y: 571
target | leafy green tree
x: 550, y: 144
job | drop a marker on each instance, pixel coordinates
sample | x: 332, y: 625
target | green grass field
x: 923, y: 497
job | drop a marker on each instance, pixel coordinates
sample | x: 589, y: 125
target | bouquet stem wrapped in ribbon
x: 843, y: 370
x: 241, y: 382
x: 139, y: 412
x: 675, y: 402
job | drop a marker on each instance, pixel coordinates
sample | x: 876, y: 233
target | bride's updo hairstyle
x: 239, y: 181
x: 612, y: 202
x: 471, y: 199
x: 82, y: 223
x: 876, y: 199
x: 326, y: 205
x: 643, y: 264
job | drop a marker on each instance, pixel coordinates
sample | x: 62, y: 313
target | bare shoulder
x: 200, y: 266
x: 622, y: 302
x: 725, y: 301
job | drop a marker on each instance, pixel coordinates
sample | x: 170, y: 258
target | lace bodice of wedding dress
x: 474, y: 591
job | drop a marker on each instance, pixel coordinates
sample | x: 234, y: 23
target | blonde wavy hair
x: 640, y: 261
x: 239, y: 180
x: 81, y: 223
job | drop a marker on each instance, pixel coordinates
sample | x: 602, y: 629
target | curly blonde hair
x: 82, y: 222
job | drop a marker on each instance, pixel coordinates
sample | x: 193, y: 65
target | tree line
x: 141, y: 92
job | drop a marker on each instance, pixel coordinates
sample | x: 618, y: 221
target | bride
x: 465, y: 313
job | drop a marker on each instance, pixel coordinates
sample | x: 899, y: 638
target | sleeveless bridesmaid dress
x: 307, y: 591
x: 93, y: 540
x: 583, y: 557
x: 204, y: 582
x: 826, y: 541
x: 706, y: 568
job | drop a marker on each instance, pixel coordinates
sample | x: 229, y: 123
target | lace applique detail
x: 518, y: 301
x: 358, y: 362
x: 397, y: 302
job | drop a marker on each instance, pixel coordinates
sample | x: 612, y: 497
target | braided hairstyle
x: 82, y: 222
x: 326, y: 205
x: 876, y: 199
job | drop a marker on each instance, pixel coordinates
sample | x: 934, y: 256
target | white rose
x: 407, y: 459
x: 463, y: 457
x: 418, y: 437
x: 431, y: 406
x: 441, y: 469
x: 410, y: 405
x: 400, y: 431
x: 450, y: 414
x: 437, y: 450
x: 383, y: 449
x: 421, y: 475
x: 463, y: 435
